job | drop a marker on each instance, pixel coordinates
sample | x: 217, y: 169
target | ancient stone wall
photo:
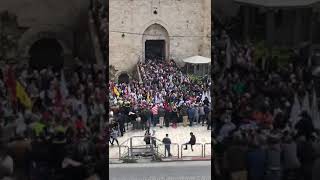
x: 59, y: 19
x: 187, y: 22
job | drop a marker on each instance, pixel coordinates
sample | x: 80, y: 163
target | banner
x: 115, y: 90
x: 22, y: 96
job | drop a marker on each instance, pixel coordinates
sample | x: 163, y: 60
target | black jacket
x: 192, y: 140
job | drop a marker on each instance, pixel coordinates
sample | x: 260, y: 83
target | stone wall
x: 66, y: 21
x: 187, y: 22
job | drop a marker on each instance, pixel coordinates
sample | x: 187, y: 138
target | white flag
x: 295, y: 111
x: 315, y: 110
x: 306, y: 104
x: 63, y: 86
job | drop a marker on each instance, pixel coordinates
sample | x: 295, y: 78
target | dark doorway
x: 46, y: 52
x: 155, y: 49
x: 123, y: 78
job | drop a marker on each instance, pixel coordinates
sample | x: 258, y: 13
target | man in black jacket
x: 167, y: 142
x: 121, y: 120
x: 192, y: 141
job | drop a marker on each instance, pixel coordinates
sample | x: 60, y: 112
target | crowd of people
x: 256, y: 134
x: 100, y: 16
x: 165, y: 96
x: 62, y: 134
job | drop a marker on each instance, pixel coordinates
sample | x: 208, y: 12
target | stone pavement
x: 178, y: 135
x: 194, y: 170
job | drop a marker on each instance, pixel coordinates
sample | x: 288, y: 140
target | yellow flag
x: 115, y: 90
x: 22, y: 96
x: 148, y: 97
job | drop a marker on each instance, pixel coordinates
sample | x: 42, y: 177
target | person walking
x: 167, y: 143
x: 192, y: 141
x: 114, y: 136
x: 121, y: 121
x: 147, y: 138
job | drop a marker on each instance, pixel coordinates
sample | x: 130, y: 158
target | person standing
x: 273, y: 159
x: 206, y: 114
x: 153, y: 138
x: 256, y: 158
x: 191, y: 113
x: 235, y: 159
x: 201, y: 114
x: 209, y: 122
x: 162, y: 113
x: 148, y: 116
x: 174, y: 116
x: 196, y: 113
x: 291, y: 163
x: 6, y: 163
x: 184, y: 114
x: 168, y: 115
x: 154, y: 111
x: 167, y: 144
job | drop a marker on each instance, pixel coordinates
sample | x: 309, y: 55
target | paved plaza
x: 178, y: 136
x: 196, y: 170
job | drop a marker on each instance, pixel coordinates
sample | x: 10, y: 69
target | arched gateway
x: 155, y: 42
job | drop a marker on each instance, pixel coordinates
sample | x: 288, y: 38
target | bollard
x: 131, y: 147
x: 178, y: 151
x: 202, y: 150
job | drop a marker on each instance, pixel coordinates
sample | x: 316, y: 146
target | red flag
x: 58, y: 98
x: 111, y: 88
x: 10, y: 81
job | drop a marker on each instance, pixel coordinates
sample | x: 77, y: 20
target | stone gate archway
x: 46, y: 52
x: 157, y: 35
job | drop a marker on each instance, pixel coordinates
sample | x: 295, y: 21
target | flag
x: 148, y: 97
x: 10, y: 82
x: 129, y: 88
x: 116, y: 92
x: 63, y: 86
x: 315, y: 111
x: 295, y: 111
x: 22, y: 96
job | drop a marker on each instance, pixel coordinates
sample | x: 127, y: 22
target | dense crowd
x: 165, y: 96
x: 100, y: 16
x: 263, y: 123
x: 61, y: 136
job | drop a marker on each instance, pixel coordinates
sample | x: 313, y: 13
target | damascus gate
x: 161, y: 29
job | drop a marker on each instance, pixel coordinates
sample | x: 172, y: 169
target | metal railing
x: 176, y: 149
x: 125, y: 154
x: 204, y: 149
x: 195, y: 145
